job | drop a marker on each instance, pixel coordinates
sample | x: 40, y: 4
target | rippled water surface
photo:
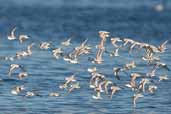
x: 57, y: 21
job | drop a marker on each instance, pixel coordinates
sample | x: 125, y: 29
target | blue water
x: 58, y: 20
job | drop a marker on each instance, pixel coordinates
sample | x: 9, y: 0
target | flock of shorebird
x: 139, y: 82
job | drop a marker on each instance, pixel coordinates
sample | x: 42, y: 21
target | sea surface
x: 57, y: 20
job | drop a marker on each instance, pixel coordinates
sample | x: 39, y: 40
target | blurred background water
x: 57, y: 20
